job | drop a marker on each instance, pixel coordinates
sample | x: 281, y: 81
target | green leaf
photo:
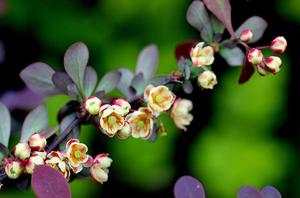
x: 233, y: 57
x: 90, y: 81
x: 217, y: 25
x: 138, y: 84
x: 125, y: 81
x: 75, y: 62
x: 109, y: 81
x: 5, y: 125
x: 35, y: 121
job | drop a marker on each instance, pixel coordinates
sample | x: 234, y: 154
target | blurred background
x: 241, y: 134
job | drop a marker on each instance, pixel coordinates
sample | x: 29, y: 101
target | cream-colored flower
x: 202, y: 55
x: 32, y: 162
x: 123, y: 104
x: 99, y: 170
x: 141, y: 123
x: 22, y: 151
x: 111, y: 119
x: 59, y: 162
x: 125, y: 132
x: 207, y: 79
x: 147, y: 91
x: 180, y: 113
x: 37, y: 142
x: 14, y: 169
x: 160, y: 99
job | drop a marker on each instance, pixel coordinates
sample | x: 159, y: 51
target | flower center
x: 159, y: 98
x: 112, y: 120
x: 140, y: 124
x: 77, y: 154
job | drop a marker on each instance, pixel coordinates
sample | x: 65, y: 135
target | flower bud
x: 279, y: 45
x: 92, y: 105
x: 42, y: 154
x: 98, y: 174
x: 37, y: 142
x: 103, y: 160
x: 273, y: 64
x: 125, y: 132
x: 13, y: 169
x: 123, y: 104
x: 207, y: 79
x: 255, y: 56
x: 246, y: 35
x: 22, y: 151
x: 261, y: 69
x: 202, y: 55
x: 34, y: 160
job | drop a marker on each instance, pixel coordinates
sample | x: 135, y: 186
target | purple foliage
x: 187, y: 186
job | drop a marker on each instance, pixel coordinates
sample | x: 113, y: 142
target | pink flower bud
x: 123, y: 104
x: 273, y: 64
x: 32, y: 162
x: 125, y: 132
x: 103, y: 160
x: 37, y: 142
x: 246, y: 35
x: 255, y: 56
x: 207, y: 79
x: 99, y: 170
x: 92, y: 105
x: 261, y: 69
x: 42, y: 154
x: 279, y: 45
x: 13, y: 169
x: 22, y: 151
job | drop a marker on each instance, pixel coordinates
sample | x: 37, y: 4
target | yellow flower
x: 180, y: 113
x: 160, y: 99
x: 202, y: 55
x: 141, y: 123
x: 59, y: 162
x: 111, y: 119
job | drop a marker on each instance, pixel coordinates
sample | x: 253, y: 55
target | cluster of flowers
x: 27, y: 155
x: 120, y: 120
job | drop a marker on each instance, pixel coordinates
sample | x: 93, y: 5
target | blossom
x: 261, y: 69
x: 255, y: 56
x: 123, y: 104
x: 141, y: 123
x: 13, y: 169
x: 125, y: 132
x: 111, y: 119
x: 160, y: 99
x: 22, y: 151
x: 246, y: 35
x: 207, y: 79
x: 279, y: 45
x: 37, y: 142
x: 32, y: 162
x: 76, y: 154
x: 202, y: 55
x: 99, y: 170
x: 92, y: 105
x: 180, y: 113
x: 273, y: 64
x: 42, y: 154
x: 59, y: 162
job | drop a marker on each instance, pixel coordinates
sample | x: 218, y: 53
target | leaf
x: 49, y: 132
x: 247, y: 71
x: 75, y: 62
x: 90, y: 81
x: 147, y: 62
x: 183, y: 49
x: 5, y: 125
x: 222, y: 10
x: 138, y: 84
x: 233, y: 57
x: 38, y: 77
x: 35, y: 121
x: 47, y: 182
x: 73, y: 91
x: 217, y: 25
x: 249, y: 192
x: 109, y: 81
x: 187, y: 186
x: 125, y: 81
x: 61, y: 80
x: 256, y: 24
x: 187, y: 87
x: 198, y: 18
x: 66, y: 121
x: 270, y: 192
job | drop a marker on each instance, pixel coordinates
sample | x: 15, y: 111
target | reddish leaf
x: 49, y: 183
x: 187, y: 186
x: 183, y: 49
x: 222, y: 10
x: 247, y: 71
x: 249, y: 192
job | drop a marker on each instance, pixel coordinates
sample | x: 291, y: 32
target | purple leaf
x: 233, y: 57
x: 187, y: 186
x: 35, y: 121
x: 270, y: 192
x: 61, y: 80
x: 38, y: 77
x: 75, y: 62
x: 147, y: 62
x: 138, y: 84
x: 4, y: 125
x: 217, y: 25
x: 249, y: 192
x: 109, y: 81
x: 256, y: 24
x: 90, y: 81
x: 222, y: 10
x: 66, y: 121
x: 247, y: 71
x: 125, y: 81
x: 73, y: 91
x: 187, y: 87
x: 49, y: 132
x: 47, y: 182
x: 183, y: 49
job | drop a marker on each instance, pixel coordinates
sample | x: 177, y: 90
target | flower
x: 261, y: 69
x: 255, y: 56
x: 92, y: 105
x: 141, y: 123
x: 180, y: 113
x: 246, y: 35
x: 273, y: 64
x: 37, y: 142
x: 279, y: 45
x: 13, y: 169
x: 202, y: 56
x: 22, y: 151
x: 59, y: 162
x: 32, y: 162
x: 76, y: 154
x: 111, y: 119
x: 123, y: 104
x: 147, y: 91
x: 125, y: 132
x: 207, y: 79
x: 99, y: 170
x: 42, y: 154
x: 160, y: 99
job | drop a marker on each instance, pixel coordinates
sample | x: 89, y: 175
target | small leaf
x: 109, y: 81
x: 66, y: 121
x: 138, y: 84
x: 187, y: 72
x: 217, y: 25
x: 187, y: 87
x: 75, y: 62
x: 73, y: 91
x: 247, y: 71
x: 35, y: 121
x: 90, y: 81
x: 187, y: 186
x: 38, y: 77
x: 158, y: 80
x: 61, y: 80
x: 249, y: 192
x: 256, y: 24
x: 47, y: 182
x: 270, y: 192
x: 99, y: 94
x: 4, y: 125
x: 125, y: 82
x: 222, y: 10
x: 147, y: 62
x: 233, y: 57
x: 183, y: 49
x: 49, y: 132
